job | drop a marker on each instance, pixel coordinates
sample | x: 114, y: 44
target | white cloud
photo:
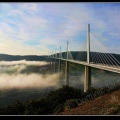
x: 29, y: 7
x: 54, y: 24
x: 15, y: 12
x: 5, y: 27
x: 76, y: 20
x: 114, y: 34
x: 26, y: 23
x: 10, y: 46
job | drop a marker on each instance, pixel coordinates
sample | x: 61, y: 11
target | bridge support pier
x: 59, y: 71
x: 55, y: 66
x: 59, y: 67
x: 67, y: 73
x: 87, y: 79
x: 51, y: 64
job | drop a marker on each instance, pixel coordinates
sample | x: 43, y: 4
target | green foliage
x: 110, y: 88
x: 13, y: 109
x: 5, y: 57
x: 60, y: 96
x: 53, y: 102
x: 71, y: 103
x: 59, y: 108
x: 91, y: 90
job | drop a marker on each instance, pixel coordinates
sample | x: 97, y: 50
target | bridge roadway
x: 99, y: 66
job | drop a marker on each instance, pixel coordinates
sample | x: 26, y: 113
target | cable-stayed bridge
x: 101, y: 59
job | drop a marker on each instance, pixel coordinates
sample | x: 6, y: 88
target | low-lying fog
x: 22, y: 80
x: 18, y: 79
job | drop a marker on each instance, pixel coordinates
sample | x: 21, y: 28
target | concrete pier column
x: 67, y: 73
x: 52, y: 62
x: 59, y: 68
x: 67, y: 69
x: 59, y: 71
x: 55, y: 62
x: 49, y: 58
x: 87, y: 79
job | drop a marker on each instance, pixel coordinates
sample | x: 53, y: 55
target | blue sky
x: 36, y: 28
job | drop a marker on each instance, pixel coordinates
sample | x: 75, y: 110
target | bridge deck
x: 99, y: 66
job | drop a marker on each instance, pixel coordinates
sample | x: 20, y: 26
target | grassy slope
x: 107, y: 104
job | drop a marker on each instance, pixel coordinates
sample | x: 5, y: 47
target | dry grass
x: 108, y: 104
x: 115, y: 99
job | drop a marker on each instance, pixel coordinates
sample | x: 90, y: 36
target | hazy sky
x: 35, y: 28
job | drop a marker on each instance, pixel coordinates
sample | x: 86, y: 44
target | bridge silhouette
x: 101, y: 59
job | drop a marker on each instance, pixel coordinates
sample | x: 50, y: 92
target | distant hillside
x: 75, y: 54
x: 82, y: 56
x: 5, y: 57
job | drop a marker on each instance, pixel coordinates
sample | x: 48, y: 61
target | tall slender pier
x: 55, y: 62
x: 67, y: 69
x: 59, y: 68
x: 87, y: 79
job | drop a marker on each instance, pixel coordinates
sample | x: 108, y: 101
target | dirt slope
x: 108, y: 104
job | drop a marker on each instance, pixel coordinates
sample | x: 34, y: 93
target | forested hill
x: 6, y: 57
x: 75, y: 54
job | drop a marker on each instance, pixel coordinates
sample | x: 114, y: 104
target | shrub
x: 91, y: 90
x: 71, y: 104
x: 59, y: 108
x: 53, y: 102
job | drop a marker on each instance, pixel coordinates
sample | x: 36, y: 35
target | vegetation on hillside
x: 42, y: 106
x: 107, y: 104
x: 54, y: 102
x: 5, y: 57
